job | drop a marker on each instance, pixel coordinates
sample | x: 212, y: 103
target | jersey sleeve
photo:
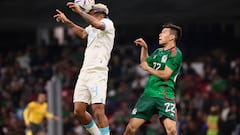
x: 48, y: 114
x: 173, y: 62
x: 26, y: 112
x: 108, y: 24
x: 149, y: 60
x: 87, y: 29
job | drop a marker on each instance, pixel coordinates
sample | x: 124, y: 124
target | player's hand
x: 56, y: 118
x: 28, y: 126
x: 141, y: 42
x: 74, y: 7
x: 60, y: 17
x: 144, y: 66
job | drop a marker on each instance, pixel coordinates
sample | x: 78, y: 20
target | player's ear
x: 172, y: 37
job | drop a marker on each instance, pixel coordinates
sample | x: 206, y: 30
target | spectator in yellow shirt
x: 212, y: 120
x: 34, y: 114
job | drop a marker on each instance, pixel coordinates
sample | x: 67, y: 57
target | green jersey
x: 157, y: 87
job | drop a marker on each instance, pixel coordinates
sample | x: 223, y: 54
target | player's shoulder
x: 179, y: 52
x: 45, y: 104
x: 158, y: 50
x: 109, y: 26
x: 32, y: 103
x: 106, y: 21
x: 176, y: 52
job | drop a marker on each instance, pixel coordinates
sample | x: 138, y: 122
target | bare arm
x: 144, y: 49
x: 88, y: 18
x: 79, y: 31
x: 51, y: 116
x: 163, y: 74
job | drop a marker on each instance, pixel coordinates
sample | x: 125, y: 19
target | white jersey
x: 99, y: 46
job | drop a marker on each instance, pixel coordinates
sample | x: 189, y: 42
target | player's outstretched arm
x: 56, y: 118
x: 79, y: 31
x: 88, y: 18
x: 51, y: 116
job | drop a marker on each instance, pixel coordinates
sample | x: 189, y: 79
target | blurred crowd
x: 207, y: 94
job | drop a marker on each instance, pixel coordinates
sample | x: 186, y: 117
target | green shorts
x: 146, y: 107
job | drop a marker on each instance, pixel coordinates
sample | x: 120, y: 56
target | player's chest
x: 95, y: 33
x: 158, y: 60
x: 39, y: 109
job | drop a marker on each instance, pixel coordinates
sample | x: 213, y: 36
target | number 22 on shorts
x: 170, y: 108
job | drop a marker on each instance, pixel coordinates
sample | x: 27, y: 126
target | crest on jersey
x: 164, y: 58
x: 134, y: 111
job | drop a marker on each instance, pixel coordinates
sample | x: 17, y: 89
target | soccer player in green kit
x: 163, y: 65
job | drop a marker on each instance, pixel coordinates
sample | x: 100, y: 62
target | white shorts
x: 91, y: 87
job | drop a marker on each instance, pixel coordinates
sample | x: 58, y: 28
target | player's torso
x: 38, y: 111
x: 99, y: 47
x: 157, y: 87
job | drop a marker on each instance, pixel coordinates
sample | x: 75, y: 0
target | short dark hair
x: 177, y: 29
x: 42, y: 92
x: 96, y: 12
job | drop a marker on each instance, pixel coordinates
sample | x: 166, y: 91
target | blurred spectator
x: 19, y: 111
x: 235, y: 73
x: 213, y: 120
x: 24, y: 60
x: 219, y: 84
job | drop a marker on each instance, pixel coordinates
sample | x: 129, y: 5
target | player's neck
x: 40, y: 102
x: 169, y: 46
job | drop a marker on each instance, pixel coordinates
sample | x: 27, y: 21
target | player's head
x: 42, y: 96
x: 99, y: 9
x: 170, y: 32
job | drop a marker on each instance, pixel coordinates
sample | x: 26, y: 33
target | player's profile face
x: 164, y: 36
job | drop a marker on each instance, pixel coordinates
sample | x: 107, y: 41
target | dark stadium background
x: 206, y: 23
x: 210, y: 39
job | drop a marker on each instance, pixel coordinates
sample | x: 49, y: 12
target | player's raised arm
x: 90, y: 18
x: 79, y: 31
x: 144, y: 49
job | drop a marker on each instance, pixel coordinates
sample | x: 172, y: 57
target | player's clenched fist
x: 141, y: 42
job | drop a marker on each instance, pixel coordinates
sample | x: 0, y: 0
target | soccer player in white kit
x: 91, y: 86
